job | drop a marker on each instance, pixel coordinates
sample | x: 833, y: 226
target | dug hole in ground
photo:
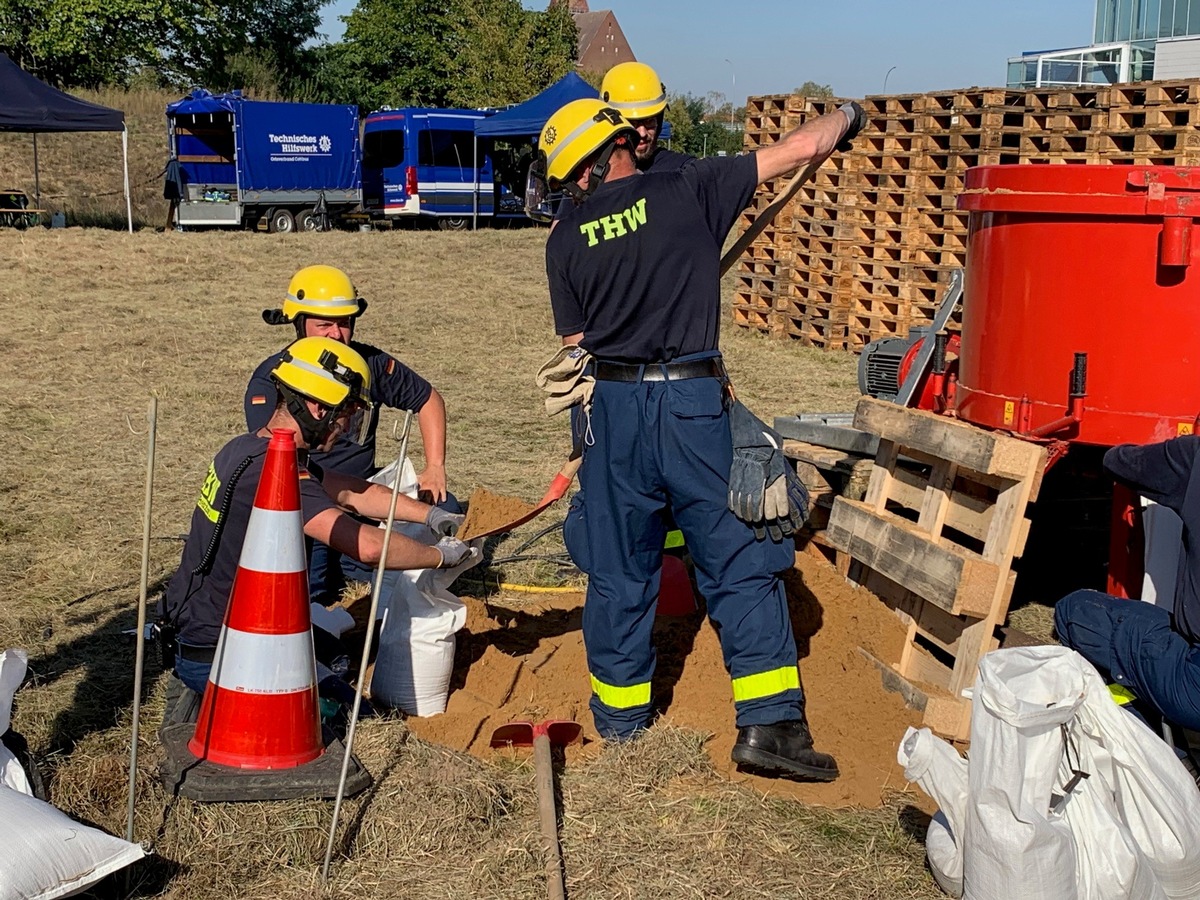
x: 527, y: 662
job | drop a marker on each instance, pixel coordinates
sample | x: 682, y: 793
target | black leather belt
x: 672, y: 371
x: 196, y: 654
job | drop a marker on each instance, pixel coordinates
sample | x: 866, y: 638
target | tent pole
x: 37, y: 183
x: 475, y: 198
x: 125, y: 163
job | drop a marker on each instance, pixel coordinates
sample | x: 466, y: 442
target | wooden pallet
x: 935, y: 537
x: 827, y: 474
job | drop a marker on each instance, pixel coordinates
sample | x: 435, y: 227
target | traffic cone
x: 675, y: 596
x: 260, y: 708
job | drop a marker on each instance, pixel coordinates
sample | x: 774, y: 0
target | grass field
x: 106, y: 319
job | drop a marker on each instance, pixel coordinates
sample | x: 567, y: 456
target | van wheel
x: 308, y: 220
x: 281, y: 222
x: 453, y: 223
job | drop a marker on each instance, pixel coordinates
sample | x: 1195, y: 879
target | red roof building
x: 602, y: 43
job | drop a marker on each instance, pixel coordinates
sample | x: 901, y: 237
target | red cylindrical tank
x: 1069, y: 259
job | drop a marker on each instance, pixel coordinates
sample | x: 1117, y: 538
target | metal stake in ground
x: 366, y: 654
x: 140, y: 641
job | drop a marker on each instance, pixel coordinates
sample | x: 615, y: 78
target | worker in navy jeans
x: 1152, y: 652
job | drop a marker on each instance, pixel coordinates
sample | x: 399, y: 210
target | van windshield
x: 383, y: 149
x: 438, y: 147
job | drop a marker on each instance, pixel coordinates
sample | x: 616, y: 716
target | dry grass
x: 109, y: 318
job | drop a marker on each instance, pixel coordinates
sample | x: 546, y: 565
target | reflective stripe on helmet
x: 563, y: 143
x: 325, y: 303
x: 629, y: 106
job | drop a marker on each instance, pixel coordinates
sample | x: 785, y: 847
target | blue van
x: 423, y: 164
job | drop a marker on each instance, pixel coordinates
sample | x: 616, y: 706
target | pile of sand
x: 530, y: 664
x: 487, y: 512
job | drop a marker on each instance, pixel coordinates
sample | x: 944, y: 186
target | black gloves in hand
x: 764, y: 491
x: 443, y: 523
x: 454, y: 552
x: 858, y: 121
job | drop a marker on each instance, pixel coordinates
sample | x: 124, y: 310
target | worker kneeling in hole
x: 635, y: 282
x: 323, y: 302
x: 1153, y: 653
x: 321, y: 393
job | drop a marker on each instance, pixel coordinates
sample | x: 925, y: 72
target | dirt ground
x: 105, y: 319
x: 529, y: 664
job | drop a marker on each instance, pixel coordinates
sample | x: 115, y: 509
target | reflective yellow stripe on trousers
x: 765, y: 684
x: 621, y: 697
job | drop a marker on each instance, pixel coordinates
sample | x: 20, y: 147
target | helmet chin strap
x: 596, y: 174
x: 313, y: 430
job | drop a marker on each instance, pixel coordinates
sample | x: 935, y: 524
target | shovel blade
x: 514, y: 734
x: 561, y: 731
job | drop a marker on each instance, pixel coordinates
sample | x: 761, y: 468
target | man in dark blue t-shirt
x: 322, y: 302
x: 1141, y: 646
x: 634, y: 280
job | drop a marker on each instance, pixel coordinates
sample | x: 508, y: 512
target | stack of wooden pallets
x: 866, y: 248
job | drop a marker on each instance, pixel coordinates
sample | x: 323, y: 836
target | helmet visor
x: 355, y: 421
x: 540, y: 201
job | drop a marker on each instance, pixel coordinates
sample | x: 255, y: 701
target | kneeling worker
x: 321, y: 393
x: 1143, y: 647
x: 323, y: 302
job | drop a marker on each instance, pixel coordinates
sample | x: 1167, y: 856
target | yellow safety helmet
x: 574, y: 133
x: 330, y: 373
x: 634, y: 90
x: 322, y: 291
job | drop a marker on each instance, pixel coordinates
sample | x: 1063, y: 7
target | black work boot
x: 782, y: 750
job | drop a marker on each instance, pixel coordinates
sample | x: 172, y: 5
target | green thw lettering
x: 616, y: 225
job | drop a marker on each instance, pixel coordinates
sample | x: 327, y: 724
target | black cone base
x: 208, y: 782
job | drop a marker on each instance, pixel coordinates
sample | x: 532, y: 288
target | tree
x: 701, y: 125
x: 812, y: 89
x: 446, y: 53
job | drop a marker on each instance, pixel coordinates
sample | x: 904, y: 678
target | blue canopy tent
x: 526, y: 119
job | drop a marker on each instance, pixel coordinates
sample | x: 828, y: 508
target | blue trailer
x: 425, y: 165
x: 255, y: 164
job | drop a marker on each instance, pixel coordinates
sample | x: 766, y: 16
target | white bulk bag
x: 1153, y: 793
x: 13, y: 665
x: 941, y: 773
x: 1012, y: 847
x: 44, y: 853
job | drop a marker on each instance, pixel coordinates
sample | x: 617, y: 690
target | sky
x: 746, y: 48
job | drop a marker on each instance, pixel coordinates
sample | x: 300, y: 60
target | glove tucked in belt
x: 764, y: 490
x: 563, y: 377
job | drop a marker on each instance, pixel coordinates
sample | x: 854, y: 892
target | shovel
x: 540, y: 736
x: 558, y: 487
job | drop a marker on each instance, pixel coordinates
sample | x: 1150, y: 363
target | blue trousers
x: 330, y: 571
x: 1134, y: 644
x: 660, y: 446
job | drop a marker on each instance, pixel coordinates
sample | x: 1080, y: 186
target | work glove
x: 858, y: 121
x: 764, y: 490
x: 442, y: 523
x: 455, y: 552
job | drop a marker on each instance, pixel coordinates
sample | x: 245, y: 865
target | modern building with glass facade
x: 1134, y: 40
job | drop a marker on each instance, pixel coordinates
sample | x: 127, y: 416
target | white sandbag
x: 46, y: 854
x: 12, y: 775
x: 337, y: 620
x: 416, y: 642
x: 1154, y: 795
x: 13, y: 665
x: 940, y: 772
x: 1012, y: 847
